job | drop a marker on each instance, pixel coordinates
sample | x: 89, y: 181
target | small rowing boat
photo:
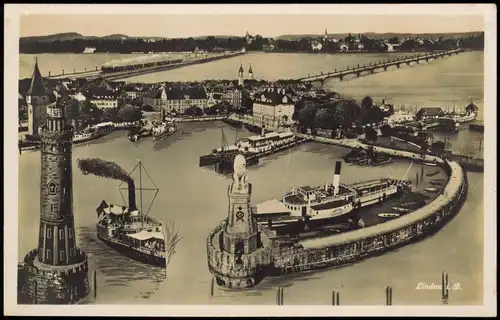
x: 388, y: 215
x: 400, y: 209
x: 432, y: 173
x: 430, y: 164
x: 431, y: 189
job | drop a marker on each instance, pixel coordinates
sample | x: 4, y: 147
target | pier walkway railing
x: 381, y: 64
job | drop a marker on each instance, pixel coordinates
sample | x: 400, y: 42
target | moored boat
x: 430, y: 164
x: 327, y: 202
x: 162, y: 130
x: 401, y: 209
x: 431, y: 189
x: 93, y: 132
x: 389, y: 215
x: 432, y: 173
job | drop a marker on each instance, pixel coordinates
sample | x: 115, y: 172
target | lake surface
x: 196, y: 198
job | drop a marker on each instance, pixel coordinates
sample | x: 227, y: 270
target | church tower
x: 37, y: 99
x: 57, y: 256
x: 240, y: 75
x: 326, y: 35
x: 250, y: 72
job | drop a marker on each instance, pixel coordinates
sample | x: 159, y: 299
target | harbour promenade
x: 468, y: 163
x: 372, y: 67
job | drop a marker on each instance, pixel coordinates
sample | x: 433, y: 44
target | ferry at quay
x: 162, y: 130
x: 253, y: 148
x: 327, y: 202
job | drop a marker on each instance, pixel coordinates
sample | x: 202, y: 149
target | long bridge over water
x: 372, y: 67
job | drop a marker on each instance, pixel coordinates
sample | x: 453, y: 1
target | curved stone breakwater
x: 269, y: 259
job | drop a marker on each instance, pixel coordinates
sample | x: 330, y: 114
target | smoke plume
x: 102, y: 168
x: 109, y: 169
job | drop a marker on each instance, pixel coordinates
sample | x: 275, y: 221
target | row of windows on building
x: 61, y: 233
x: 62, y: 254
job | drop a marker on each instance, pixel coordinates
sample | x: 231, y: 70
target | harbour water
x: 196, y: 199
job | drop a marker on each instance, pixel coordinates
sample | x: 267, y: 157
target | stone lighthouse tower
x: 240, y: 75
x: 236, y: 253
x: 37, y: 99
x: 240, y: 236
x: 57, y: 271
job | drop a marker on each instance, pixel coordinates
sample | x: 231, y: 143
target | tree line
x: 345, y: 114
x: 258, y: 43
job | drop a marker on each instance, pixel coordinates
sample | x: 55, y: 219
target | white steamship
x: 327, y: 201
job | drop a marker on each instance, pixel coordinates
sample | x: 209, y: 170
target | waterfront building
x: 249, y: 38
x: 155, y: 98
x: 37, y: 99
x: 400, y: 116
x: 57, y: 268
x: 103, y: 98
x: 132, y: 91
x: 344, y: 47
x: 428, y: 113
x: 391, y: 47
x: 213, y: 98
x: 180, y: 98
x: 273, y: 105
x: 89, y: 50
x: 316, y: 46
x: 237, y: 98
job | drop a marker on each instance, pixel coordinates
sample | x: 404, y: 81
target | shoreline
x: 256, y: 51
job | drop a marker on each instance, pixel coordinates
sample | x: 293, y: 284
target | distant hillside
x: 55, y: 37
x: 382, y: 35
x: 217, y: 37
x: 74, y: 36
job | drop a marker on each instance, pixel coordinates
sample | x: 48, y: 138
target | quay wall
x: 198, y: 119
x: 58, y: 285
x: 468, y: 163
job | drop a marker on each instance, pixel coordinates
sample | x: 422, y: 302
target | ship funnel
x: 336, y: 177
x: 131, y: 196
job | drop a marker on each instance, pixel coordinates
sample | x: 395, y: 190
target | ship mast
x: 406, y: 173
x: 155, y: 189
x: 140, y: 192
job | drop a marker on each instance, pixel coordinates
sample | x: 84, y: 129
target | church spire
x: 37, y: 87
x: 250, y: 72
x: 241, y: 68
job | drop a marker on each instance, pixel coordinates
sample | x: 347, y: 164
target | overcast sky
x: 270, y: 25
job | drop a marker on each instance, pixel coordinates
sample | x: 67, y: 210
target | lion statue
x: 240, y: 170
